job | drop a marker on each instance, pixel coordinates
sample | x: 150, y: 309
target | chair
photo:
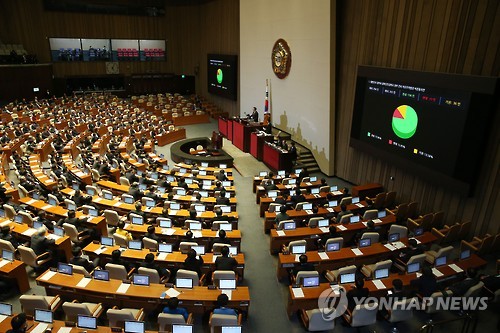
x: 447, y: 235
x: 150, y: 243
x: 223, y: 275
x: 346, y: 201
x: 81, y: 270
x: 27, y: 219
x: 92, y: 189
x: 281, y: 225
x: 117, y: 272
x: 373, y: 236
x: 401, y: 311
x: 73, y: 234
x: 324, y: 189
x: 117, y: 317
x: 31, y: 302
x: 299, y: 205
x: 424, y: 222
x: 362, y: 315
x: 95, y: 175
x: 333, y: 275
x: 120, y: 240
x: 187, y: 274
x: 112, y: 217
x: 125, y: 196
x: 106, y: 193
x: 412, y: 210
x: 145, y: 200
x: 369, y: 270
x: 437, y: 220
x: 24, y: 191
x: 313, y: 320
x: 432, y: 255
x: 301, y: 275
x: 124, y: 181
x: 184, y: 247
x: 379, y: 200
x: 87, y: 208
x: 217, y: 248
x: 390, y: 198
x: 474, y: 291
x: 400, y: 212
x: 166, y: 320
x: 273, y: 206
x: 10, y: 212
x: 420, y: 258
x: 154, y: 277
x: 398, y: 229
x: 478, y: 245
x: 216, y: 224
x: 313, y: 221
x: 64, y: 181
x: 345, y: 218
x: 370, y: 214
x: 6, y: 245
x: 29, y: 257
x: 218, y: 320
x: 292, y: 244
x: 464, y: 230
x: 339, y: 240
x: 73, y: 309
x: 68, y: 202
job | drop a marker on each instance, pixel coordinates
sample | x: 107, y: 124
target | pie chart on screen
x: 404, y: 121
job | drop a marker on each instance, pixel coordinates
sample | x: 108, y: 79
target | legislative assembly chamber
x: 239, y: 166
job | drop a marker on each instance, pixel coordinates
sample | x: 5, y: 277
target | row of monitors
x: 313, y: 281
x: 282, y: 173
x: 326, y: 222
x: 89, y: 322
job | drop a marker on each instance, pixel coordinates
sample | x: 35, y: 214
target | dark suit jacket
x: 303, y: 267
x: 355, y: 293
x: 40, y: 244
x: 425, y: 285
x: 82, y: 262
x: 460, y: 288
x: 225, y: 263
x: 194, y: 265
x: 222, y: 201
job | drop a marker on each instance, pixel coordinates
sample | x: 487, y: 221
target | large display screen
x: 222, y: 75
x: 431, y: 123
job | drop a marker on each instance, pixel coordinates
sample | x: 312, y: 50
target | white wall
x: 300, y: 103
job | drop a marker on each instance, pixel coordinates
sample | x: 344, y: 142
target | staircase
x: 306, y: 159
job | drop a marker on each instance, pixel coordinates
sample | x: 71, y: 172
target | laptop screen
x: 58, y: 231
x: 292, y: 181
x: 135, y: 244
x: 108, y: 195
x: 381, y: 273
x: 75, y: 187
x: 154, y: 175
x: 165, y: 248
x: 204, y: 194
x: 333, y: 203
x: 86, y: 322
x: 307, y: 206
x: 381, y: 214
x: 90, y: 191
x: 195, y: 225
x: 347, y: 278
x: 418, y: 231
x: 355, y: 200
x: 140, y: 280
x: 150, y: 203
x: 137, y: 220
x: 37, y: 225
x: 170, y: 179
x: 330, y: 247
x: 5, y: 309
x: 440, y: 261
x: 161, y: 189
x: 184, y: 283
x: 179, y: 328
x: 334, y: 188
x: 7, y: 255
x: 394, y: 237
x: 175, y: 206
x: 311, y: 281
x: 188, y: 181
x: 143, y: 187
x: 281, y: 172
x: 226, y: 183
x: 233, y: 250
x: 272, y: 194
x: 263, y: 174
x: 226, y: 226
x: 365, y: 242
x: 298, y: 249
x: 43, y: 316
x: 207, y: 182
x: 297, y: 171
x: 199, y: 208
x: 323, y: 223
x: 134, y: 327
x: 464, y: 254
x: 181, y: 192
x: 71, y: 206
x: 226, y: 209
x: 204, y: 164
x: 223, y: 166
x: 164, y: 223
x: 313, y: 179
x: 202, y: 172
x: 107, y: 241
x: 53, y: 202
x: 64, y: 268
x: 289, y: 225
x: 101, y: 275
x: 139, y: 173
x: 227, y: 284
x: 164, y: 167
x: 200, y: 249
x: 36, y: 195
x: 354, y: 218
x: 18, y: 219
x: 412, y: 268
x: 315, y: 190
x: 128, y: 199
x: 93, y: 212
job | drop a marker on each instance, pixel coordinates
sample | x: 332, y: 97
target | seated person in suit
x: 135, y: 192
x: 18, y: 324
x: 298, y: 197
x: 461, y: 287
x: 41, y: 217
x: 121, y: 231
x: 193, y: 262
x: 270, y: 185
x: 426, y: 284
x: 73, y: 220
x: 304, y: 265
x: 173, y: 308
x: 281, y: 216
x: 222, y: 301
x: 81, y: 261
x: 40, y: 243
x: 283, y: 199
x: 225, y: 262
x: 7, y: 236
x: 218, y: 186
x: 151, y: 233
x: 333, y: 233
x: 221, y: 238
x: 221, y: 176
x: 221, y: 199
x: 116, y: 258
x: 413, y: 249
x: 356, y: 293
x: 396, y: 294
x: 370, y: 227
x: 149, y: 262
x: 343, y: 211
x: 80, y: 199
x: 138, y: 211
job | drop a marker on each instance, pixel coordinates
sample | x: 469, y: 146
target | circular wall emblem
x: 281, y: 58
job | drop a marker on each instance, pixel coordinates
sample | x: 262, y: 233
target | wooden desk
x: 197, y: 300
x: 276, y: 159
x: 344, y: 257
x: 174, y: 260
x: 265, y: 202
x: 44, y: 148
x: 75, y: 171
x: 36, y: 170
x: 257, y: 144
x: 260, y: 190
x: 190, y: 120
x: 367, y: 190
x: 15, y: 270
x: 311, y: 295
x: 209, y: 170
x: 312, y: 234
x: 257, y: 180
x: 171, y: 136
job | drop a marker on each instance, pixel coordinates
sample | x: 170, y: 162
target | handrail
x: 469, y: 325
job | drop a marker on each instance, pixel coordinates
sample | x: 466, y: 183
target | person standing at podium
x: 255, y: 115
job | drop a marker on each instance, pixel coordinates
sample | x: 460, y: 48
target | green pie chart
x: 404, y: 121
x: 219, y: 75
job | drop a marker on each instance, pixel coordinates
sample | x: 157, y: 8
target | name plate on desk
x: 357, y: 252
x: 323, y: 255
x: 456, y: 268
x: 341, y: 227
x: 122, y: 289
x: 298, y: 292
x: 379, y: 284
x: 280, y: 233
x: 436, y: 272
x: 83, y: 282
x: 48, y: 275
